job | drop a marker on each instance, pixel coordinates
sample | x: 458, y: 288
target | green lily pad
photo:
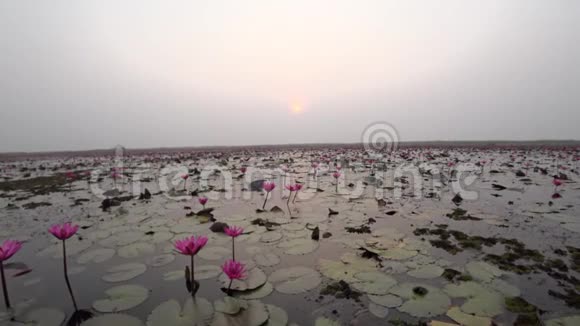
x: 230, y: 305
x: 255, y: 315
x: 389, y: 300
x: 427, y: 272
x: 170, y: 313
x: 113, y: 320
x: 483, y: 271
x: 278, y: 316
x: 124, y: 272
x: 295, y: 280
x: 432, y: 303
x: 136, y: 249
x: 374, y: 282
x: 268, y: 259
x: 466, y: 319
x: 271, y: 236
x: 161, y: 260
x: 378, y: 311
x: 122, y: 298
x: 96, y: 256
x: 481, y: 301
x: 345, y: 269
x: 398, y: 254
x: 504, y: 288
x: 258, y: 293
x: 388, y: 233
x: 255, y: 278
x: 44, y: 317
x: 299, y: 246
x: 215, y: 253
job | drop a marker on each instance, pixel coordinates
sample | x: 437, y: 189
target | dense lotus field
x: 329, y: 236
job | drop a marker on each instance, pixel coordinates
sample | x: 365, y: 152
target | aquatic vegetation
x: 190, y: 247
x: 63, y: 232
x: 380, y: 245
x: 7, y: 250
x: 235, y: 271
x: 268, y: 187
x: 202, y: 201
x: 233, y: 232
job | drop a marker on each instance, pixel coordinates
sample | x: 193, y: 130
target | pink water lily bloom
x: 298, y: 187
x: 8, y: 249
x: 190, y: 246
x: 233, y: 231
x: 63, y: 231
x: 268, y: 186
x: 291, y: 188
x: 202, y: 200
x: 185, y: 176
x: 336, y: 175
x: 557, y: 182
x: 234, y: 270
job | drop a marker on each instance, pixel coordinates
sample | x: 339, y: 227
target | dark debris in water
x: 459, y: 214
x: 341, y: 290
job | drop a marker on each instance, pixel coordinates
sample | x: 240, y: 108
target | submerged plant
x: 235, y: 271
x: 190, y: 247
x: 63, y: 232
x: 268, y: 187
x: 233, y: 231
x: 7, y: 250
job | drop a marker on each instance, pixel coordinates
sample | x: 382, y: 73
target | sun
x: 297, y: 108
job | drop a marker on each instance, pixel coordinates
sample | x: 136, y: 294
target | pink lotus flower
x: 336, y: 175
x: 233, y: 231
x: 291, y: 188
x: 243, y: 169
x: 8, y: 249
x: 185, y: 176
x: 298, y: 186
x: 234, y: 270
x: 557, y: 182
x: 268, y: 186
x: 202, y: 201
x: 190, y: 246
x: 63, y: 231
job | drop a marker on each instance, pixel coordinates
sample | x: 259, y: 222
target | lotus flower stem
x: 4, y: 288
x: 193, y: 279
x: 265, y: 199
x: 66, y: 276
x: 233, y: 248
x: 230, y: 287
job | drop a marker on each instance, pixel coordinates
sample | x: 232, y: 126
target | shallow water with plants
x: 418, y: 236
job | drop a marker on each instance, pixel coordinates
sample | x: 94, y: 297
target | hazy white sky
x: 96, y: 73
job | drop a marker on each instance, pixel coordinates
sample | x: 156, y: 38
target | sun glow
x: 297, y: 108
